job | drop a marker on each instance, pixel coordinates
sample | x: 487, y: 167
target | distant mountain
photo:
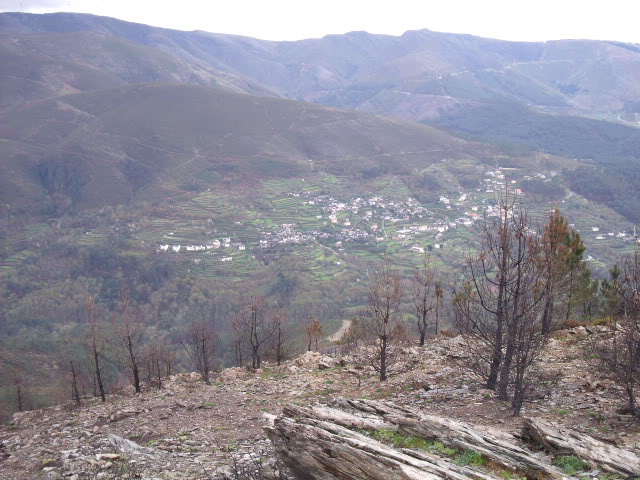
x: 35, y: 66
x: 381, y: 73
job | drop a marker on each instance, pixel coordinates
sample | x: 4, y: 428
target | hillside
x: 187, y: 430
x: 146, y: 141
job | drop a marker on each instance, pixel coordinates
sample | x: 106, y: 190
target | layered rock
x: 339, y: 442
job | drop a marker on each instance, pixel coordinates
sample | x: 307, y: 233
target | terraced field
x: 286, y: 218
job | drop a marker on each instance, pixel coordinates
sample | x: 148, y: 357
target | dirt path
x: 336, y: 337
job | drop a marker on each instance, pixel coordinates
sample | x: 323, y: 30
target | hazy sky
x: 295, y: 19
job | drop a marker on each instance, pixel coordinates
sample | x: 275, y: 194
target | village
x: 375, y: 219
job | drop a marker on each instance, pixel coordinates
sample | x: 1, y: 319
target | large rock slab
x: 325, y: 443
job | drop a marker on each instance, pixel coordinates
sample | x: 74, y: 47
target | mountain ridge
x: 300, y: 68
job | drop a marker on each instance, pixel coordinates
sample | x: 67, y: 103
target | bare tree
x: 382, y: 319
x: 279, y: 345
x: 159, y: 358
x: 619, y: 354
x: 129, y: 332
x: 200, y: 342
x: 94, y: 340
x: 19, y: 383
x: 238, y: 340
x: 75, y: 392
x: 422, y: 296
x: 168, y: 360
x: 313, y: 331
x: 499, y: 307
x: 256, y: 327
x: 438, y: 305
x: 72, y: 368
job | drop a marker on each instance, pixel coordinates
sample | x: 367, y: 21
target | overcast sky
x: 296, y: 19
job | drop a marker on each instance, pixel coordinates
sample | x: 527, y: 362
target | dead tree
x: 528, y: 341
x: 238, y: 340
x: 619, y: 354
x: 313, y: 331
x: 439, y: 304
x: 382, y: 319
x: 422, y: 297
x: 95, y: 342
x: 200, y: 342
x: 168, y: 360
x: 256, y: 327
x: 129, y: 332
x: 19, y: 382
x: 73, y: 371
x: 75, y: 392
x: 159, y: 358
x: 279, y: 344
x: 499, y: 308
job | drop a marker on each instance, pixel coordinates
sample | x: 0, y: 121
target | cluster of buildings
x: 208, y: 246
x: 496, y: 181
x: 376, y: 219
x: 355, y: 220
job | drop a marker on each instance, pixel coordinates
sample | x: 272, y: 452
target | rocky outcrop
x: 326, y: 451
x: 125, y: 446
x: 340, y: 441
x: 567, y: 442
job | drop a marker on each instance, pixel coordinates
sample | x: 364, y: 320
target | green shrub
x: 571, y: 465
x: 400, y: 440
x: 439, y: 447
x: 470, y: 457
